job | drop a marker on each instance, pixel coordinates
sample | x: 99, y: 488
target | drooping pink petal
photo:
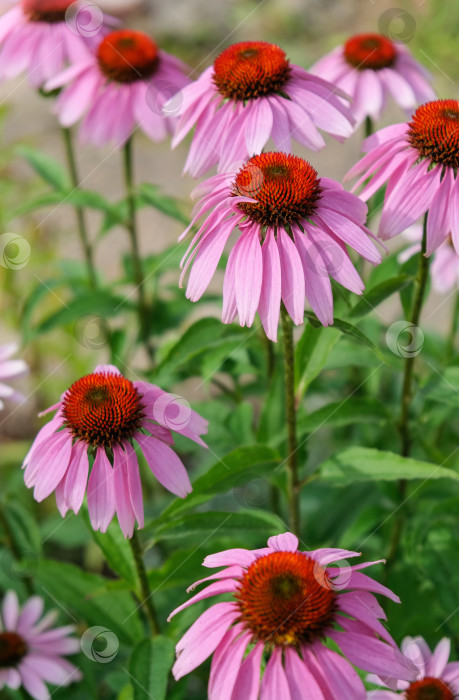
x: 226, y: 663
x: 101, y: 493
x: 274, y: 683
x: 270, y: 296
x: 165, y: 465
x: 287, y: 542
x: 247, y: 684
x: 301, y: 682
x: 292, y: 276
x: 124, y: 510
x: 248, y: 270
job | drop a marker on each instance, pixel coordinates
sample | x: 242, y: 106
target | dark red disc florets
x: 372, y: 51
x: 434, y: 132
x: 429, y: 689
x: 50, y: 11
x: 251, y: 69
x: 103, y: 409
x: 12, y: 649
x: 285, y: 186
x: 126, y: 56
x: 286, y: 599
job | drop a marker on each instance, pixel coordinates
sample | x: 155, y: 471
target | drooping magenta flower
x: 120, y: 88
x: 436, y: 679
x: 285, y: 604
x: 102, y: 416
x: 252, y: 93
x: 444, y: 270
x: 369, y: 68
x: 292, y: 228
x: 32, y: 650
x: 418, y: 161
x: 10, y: 369
x: 40, y: 37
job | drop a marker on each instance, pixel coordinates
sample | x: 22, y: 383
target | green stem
x: 147, y: 596
x: 407, y: 390
x: 368, y: 127
x: 131, y: 226
x: 450, y: 344
x: 293, y: 489
x: 81, y: 220
x: 407, y: 393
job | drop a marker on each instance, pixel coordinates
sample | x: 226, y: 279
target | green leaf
x: 116, y: 549
x: 152, y: 195
x: 312, y: 353
x: 223, y: 523
x: 352, y: 331
x: 49, y: 169
x: 346, y: 412
x: 106, y: 305
x: 202, y: 336
x: 376, y: 295
x: 236, y: 468
x: 369, y: 464
x: 84, y: 595
x: 23, y: 528
x: 149, y: 667
x: 445, y: 388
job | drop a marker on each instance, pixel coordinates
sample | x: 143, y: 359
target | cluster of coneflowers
x: 290, y: 231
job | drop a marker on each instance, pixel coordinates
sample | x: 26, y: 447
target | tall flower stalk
x: 293, y: 487
x: 79, y: 211
x: 131, y: 226
x: 147, y: 596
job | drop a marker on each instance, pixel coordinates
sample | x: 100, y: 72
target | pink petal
x: 10, y: 611
x: 101, y: 494
x: 274, y: 682
x: 301, y: 682
x: 52, y: 468
x: 124, y: 510
x: 248, y: 681
x: 341, y: 678
x: 439, y: 659
x: 270, y: 296
x: 287, y: 542
x: 292, y: 277
x: 165, y: 465
x: 230, y: 557
x: 317, y: 287
x: 76, y: 478
x: 226, y: 663
x: 372, y: 655
x: 134, y: 483
x: 258, y: 125
x: 248, y: 269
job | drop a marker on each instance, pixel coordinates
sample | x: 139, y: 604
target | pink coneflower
x: 122, y: 87
x: 10, y: 369
x: 444, y: 270
x: 419, y: 162
x: 101, y: 416
x: 31, y: 651
x: 285, y: 603
x: 369, y: 67
x: 252, y: 93
x: 436, y: 679
x: 292, y: 229
x: 40, y: 37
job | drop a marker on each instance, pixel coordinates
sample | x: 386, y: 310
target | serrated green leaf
x: 223, y: 523
x: 83, y: 595
x: 236, y: 468
x: 149, y: 667
x: 49, y: 169
x: 369, y: 464
x: 376, y: 295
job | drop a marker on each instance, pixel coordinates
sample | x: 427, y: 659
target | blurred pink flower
x: 32, y: 651
x: 369, y: 67
x: 293, y: 228
x: 40, y: 37
x: 435, y: 678
x: 10, y: 369
x: 419, y: 162
x: 285, y: 603
x: 120, y: 88
x: 101, y: 416
x: 252, y: 93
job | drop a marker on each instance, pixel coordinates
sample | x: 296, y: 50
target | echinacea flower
x: 10, y: 369
x: 436, y: 679
x: 102, y: 415
x: 40, y: 37
x: 285, y: 604
x: 252, y: 93
x: 119, y: 88
x: 444, y: 270
x: 418, y: 161
x: 32, y: 650
x: 369, y: 67
x: 292, y: 227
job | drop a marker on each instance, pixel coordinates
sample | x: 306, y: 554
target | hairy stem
x: 131, y: 226
x: 81, y: 219
x: 290, y: 404
x: 147, y: 596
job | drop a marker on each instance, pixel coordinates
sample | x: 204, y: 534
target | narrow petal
x: 165, y: 465
x: 226, y: 663
x: 270, y: 296
x: 259, y: 125
x: 123, y: 504
x: 374, y: 656
x: 76, y: 478
x: 302, y: 684
x: 292, y: 277
x: 287, y: 542
x: 274, y: 683
x: 248, y: 270
x: 101, y: 494
x: 247, y: 684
